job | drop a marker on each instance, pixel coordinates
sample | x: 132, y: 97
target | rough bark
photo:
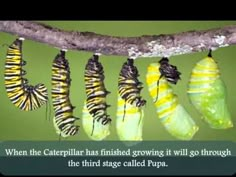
x: 142, y: 46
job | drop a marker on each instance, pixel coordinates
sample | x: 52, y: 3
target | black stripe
x: 34, y: 96
x: 41, y: 94
x: 16, y: 97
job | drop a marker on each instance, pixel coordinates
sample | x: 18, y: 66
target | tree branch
x: 143, y: 46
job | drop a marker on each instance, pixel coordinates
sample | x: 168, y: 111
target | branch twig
x: 143, y: 46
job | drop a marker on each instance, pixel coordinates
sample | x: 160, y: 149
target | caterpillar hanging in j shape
x: 171, y: 113
x: 95, y: 120
x: 24, y: 96
x: 207, y: 93
x: 129, y: 122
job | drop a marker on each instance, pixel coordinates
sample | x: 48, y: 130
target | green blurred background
x: 20, y: 125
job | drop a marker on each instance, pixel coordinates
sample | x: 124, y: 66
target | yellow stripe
x: 121, y: 102
x: 96, y: 100
x: 154, y: 68
x: 152, y: 78
x: 153, y: 92
x: 127, y: 111
x: 168, y: 110
x: 165, y: 99
x: 198, y: 74
x: 203, y: 67
x: 201, y: 82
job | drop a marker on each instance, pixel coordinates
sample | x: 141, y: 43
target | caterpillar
x: 64, y: 121
x: 129, y: 122
x: 95, y: 119
x: 207, y: 93
x: 171, y: 113
x: 23, y: 96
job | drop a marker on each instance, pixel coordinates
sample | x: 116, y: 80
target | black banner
x: 116, y: 158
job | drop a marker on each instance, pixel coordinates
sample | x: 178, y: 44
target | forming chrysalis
x: 130, y: 113
x: 95, y: 119
x: 171, y: 113
x: 207, y: 93
x: 64, y: 119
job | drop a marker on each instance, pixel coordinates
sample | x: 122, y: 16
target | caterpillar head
x: 170, y: 72
x: 29, y: 88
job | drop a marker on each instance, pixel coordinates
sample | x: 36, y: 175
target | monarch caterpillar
x: 64, y: 119
x: 95, y: 119
x: 130, y: 115
x: 207, y: 93
x: 172, y: 114
x: 24, y: 96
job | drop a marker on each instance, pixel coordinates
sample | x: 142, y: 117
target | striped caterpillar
x: 95, y: 119
x: 24, y: 96
x: 64, y: 121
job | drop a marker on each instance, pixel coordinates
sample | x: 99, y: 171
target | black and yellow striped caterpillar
x: 130, y: 114
x: 95, y: 119
x: 207, y: 93
x: 64, y: 121
x: 172, y: 114
x: 24, y: 96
